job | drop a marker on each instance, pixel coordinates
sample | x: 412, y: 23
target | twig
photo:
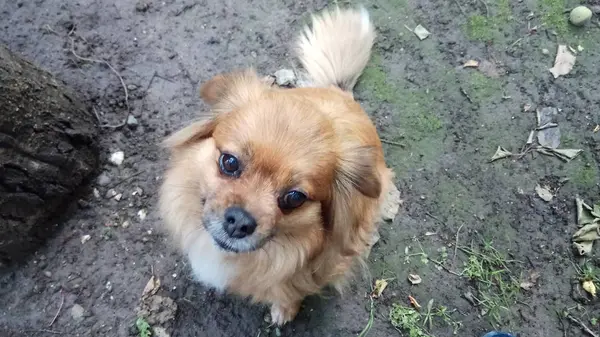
x: 462, y: 91
x: 124, y: 180
x: 487, y: 10
x: 460, y: 7
x: 515, y: 43
x: 456, y: 243
x: 113, y: 70
x: 390, y: 142
x: 582, y: 325
x: 62, y: 302
x: 435, y: 218
x: 448, y: 270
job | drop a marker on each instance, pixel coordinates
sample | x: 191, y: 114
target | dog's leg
x: 282, y: 313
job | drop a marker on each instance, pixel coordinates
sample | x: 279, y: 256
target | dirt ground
x: 441, y: 122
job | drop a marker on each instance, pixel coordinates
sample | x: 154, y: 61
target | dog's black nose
x: 238, y: 223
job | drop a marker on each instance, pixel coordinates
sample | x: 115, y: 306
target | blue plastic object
x: 498, y: 334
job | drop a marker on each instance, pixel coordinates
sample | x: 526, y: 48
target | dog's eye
x: 229, y: 165
x: 291, y: 200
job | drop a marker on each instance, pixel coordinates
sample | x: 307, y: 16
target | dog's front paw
x: 281, y: 314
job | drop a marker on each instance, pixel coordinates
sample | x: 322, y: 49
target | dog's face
x: 272, y: 170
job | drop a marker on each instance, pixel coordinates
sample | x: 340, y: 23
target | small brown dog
x: 278, y: 194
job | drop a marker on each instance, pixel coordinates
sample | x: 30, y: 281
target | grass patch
x: 488, y: 26
x: 417, y: 324
x: 553, y: 15
x: 497, y: 288
x: 144, y: 329
x: 585, y: 176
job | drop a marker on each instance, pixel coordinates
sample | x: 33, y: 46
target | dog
x: 278, y: 193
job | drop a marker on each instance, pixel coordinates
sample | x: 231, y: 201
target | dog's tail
x: 336, y: 49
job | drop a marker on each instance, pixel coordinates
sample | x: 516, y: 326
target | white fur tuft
x: 336, y: 48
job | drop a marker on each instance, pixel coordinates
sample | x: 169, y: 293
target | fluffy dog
x: 278, y: 193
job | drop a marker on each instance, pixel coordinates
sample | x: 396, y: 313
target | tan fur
x: 316, y: 139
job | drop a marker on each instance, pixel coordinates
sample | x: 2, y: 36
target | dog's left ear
x: 190, y: 134
x: 358, y: 169
x: 226, y: 92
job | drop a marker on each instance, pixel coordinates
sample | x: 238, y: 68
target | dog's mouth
x: 234, y: 245
x: 225, y: 246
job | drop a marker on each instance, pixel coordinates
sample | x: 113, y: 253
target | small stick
x: 62, y: 302
x: 390, y: 142
x: 113, y: 70
x: 126, y: 179
x: 487, y: 10
x: 456, y: 243
x: 582, y: 326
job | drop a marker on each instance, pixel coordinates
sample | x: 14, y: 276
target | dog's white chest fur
x: 208, y: 265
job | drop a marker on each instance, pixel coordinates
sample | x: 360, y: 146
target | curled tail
x: 336, y: 48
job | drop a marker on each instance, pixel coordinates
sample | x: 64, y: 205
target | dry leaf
x: 527, y: 107
x: 590, y: 287
x: 526, y: 285
x: 421, y: 32
x: 597, y: 128
x: 589, y: 232
x: 583, y: 248
x: 530, y: 138
x: 85, y: 238
x: 584, y: 212
x: 566, y: 154
x: 544, y: 192
x: 501, y: 153
x: 414, y: 302
x: 380, y: 286
x: 151, y: 287
x: 564, y: 62
x: 471, y: 64
x: 414, y: 279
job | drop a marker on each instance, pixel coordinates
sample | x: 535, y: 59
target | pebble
x: 103, y: 179
x: 118, y: 197
x: 85, y: 238
x: 48, y: 273
x: 117, y: 158
x: 142, y: 214
x: 545, y: 51
x: 132, y: 121
x: 142, y: 6
x: 131, y: 87
x: 77, y: 312
x: 110, y: 194
x: 137, y: 191
x: 96, y: 193
x: 285, y: 77
x: 125, y: 224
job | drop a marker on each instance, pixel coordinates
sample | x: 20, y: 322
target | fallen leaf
x: 414, y: 302
x: 549, y: 138
x: 544, y: 192
x: 545, y: 151
x: 151, y: 287
x: 545, y: 115
x: 583, y: 248
x: 85, y: 238
x: 530, y: 138
x: 564, y: 62
x: 589, y: 232
x: 596, y: 211
x: 471, y: 64
x: 526, y: 107
x: 421, y: 32
x: 430, y: 305
x: 430, y: 233
x: 414, y: 279
x: 526, y: 285
x: 584, y: 212
x: 380, y: 286
x: 597, y: 128
x: 580, y: 48
x: 590, y: 287
x: 566, y: 154
x: 501, y: 153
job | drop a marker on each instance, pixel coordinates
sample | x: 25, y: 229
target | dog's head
x: 275, y: 166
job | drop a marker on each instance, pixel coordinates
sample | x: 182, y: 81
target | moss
x: 488, y: 27
x: 482, y: 87
x: 585, y: 176
x: 479, y: 28
x: 374, y: 80
x: 553, y: 15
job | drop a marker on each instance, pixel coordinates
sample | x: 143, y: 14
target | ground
x: 470, y: 228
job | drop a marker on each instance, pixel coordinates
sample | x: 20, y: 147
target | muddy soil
x: 441, y: 123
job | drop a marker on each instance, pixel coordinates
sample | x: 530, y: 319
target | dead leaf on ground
x: 597, y: 128
x: 530, y: 138
x: 589, y: 232
x: 471, y: 64
x: 584, y: 212
x: 590, y: 287
x: 501, y: 153
x: 527, y: 107
x: 151, y: 287
x: 549, y: 138
x: 544, y: 192
x: 380, y: 286
x: 414, y: 279
x: 583, y: 248
x: 566, y: 154
x: 414, y: 302
x: 563, y: 63
x: 421, y: 32
x: 531, y: 281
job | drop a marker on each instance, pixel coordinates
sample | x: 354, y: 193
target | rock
x: 103, y: 179
x: 142, y: 6
x: 160, y: 332
x: 48, y: 274
x: 117, y: 158
x: 125, y: 224
x: 580, y: 15
x: 132, y: 122
x: 142, y: 213
x: 110, y: 194
x: 118, y: 197
x: 96, y: 193
x: 131, y: 87
x: 77, y: 312
x: 85, y: 239
x: 49, y: 152
x: 545, y: 51
x: 285, y: 77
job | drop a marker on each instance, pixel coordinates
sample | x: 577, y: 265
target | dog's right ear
x: 226, y: 92
x: 190, y: 134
